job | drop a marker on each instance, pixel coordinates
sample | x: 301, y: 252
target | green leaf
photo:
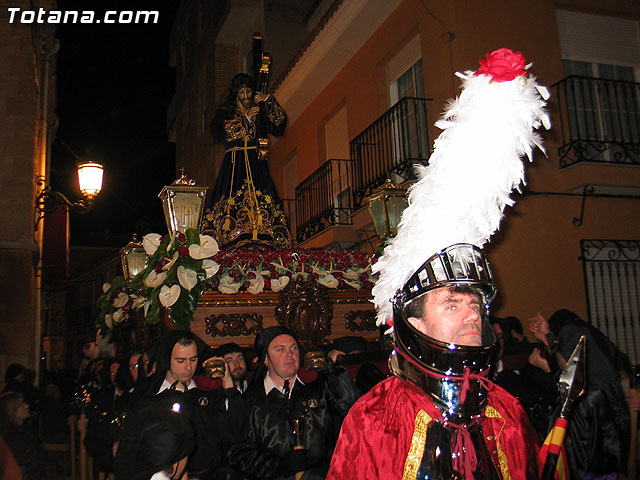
x: 182, y: 311
x: 193, y: 236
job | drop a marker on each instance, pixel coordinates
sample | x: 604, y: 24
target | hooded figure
x: 178, y: 355
x: 156, y: 439
x: 599, y: 429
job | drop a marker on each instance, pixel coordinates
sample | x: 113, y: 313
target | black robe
x: 207, y: 454
x: 322, y: 404
x: 246, y: 207
x: 598, y: 433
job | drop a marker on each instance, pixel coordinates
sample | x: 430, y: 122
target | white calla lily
x: 227, y: 286
x: 328, y: 281
x: 278, y: 284
x: 169, y: 295
x: 108, y: 321
x: 137, y: 301
x: 147, y: 305
x: 118, y: 316
x: 353, y: 273
x: 121, y: 300
x: 151, y: 242
x: 105, y: 287
x: 155, y: 279
x: 170, y: 263
x: 208, y: 248
x: 256, y: 285
x: 210, y: 268
x: 187, y: 277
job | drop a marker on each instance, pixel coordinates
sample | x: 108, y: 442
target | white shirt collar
x: 166, y: 385
x: 269, y: 384
x: 242, y: 387
x: 160, y: 476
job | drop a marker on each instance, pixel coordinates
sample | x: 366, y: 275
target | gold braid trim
x: 418, y: 442
x: 502, y: 458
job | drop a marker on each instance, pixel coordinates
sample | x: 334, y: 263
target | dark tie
x: 286, y: 389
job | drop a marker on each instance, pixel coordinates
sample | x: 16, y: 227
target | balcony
x: 324, y: 199
x: 390, y: 147
x: 600, y: 121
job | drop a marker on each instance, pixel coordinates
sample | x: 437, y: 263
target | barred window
x: 612, y: 278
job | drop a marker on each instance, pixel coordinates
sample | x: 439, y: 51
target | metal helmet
x: 437, y: 367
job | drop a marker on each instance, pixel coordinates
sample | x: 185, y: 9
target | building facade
x: 367, y: 83
x: 27, y: 123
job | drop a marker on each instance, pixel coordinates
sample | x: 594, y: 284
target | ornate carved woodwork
x: 233, y: 324
x: 367, y: 320
x: 305, y: 308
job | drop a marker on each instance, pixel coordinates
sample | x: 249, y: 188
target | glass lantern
x: 386, y: 206
x: 133, y: 258
x: 183, y: 204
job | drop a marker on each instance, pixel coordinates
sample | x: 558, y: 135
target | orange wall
x: 535, y: 255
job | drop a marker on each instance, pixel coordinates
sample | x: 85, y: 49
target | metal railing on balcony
x: 324, y: 198
x: 390, y: 146
x: 600, y: 120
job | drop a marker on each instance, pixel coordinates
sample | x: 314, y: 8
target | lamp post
x: 90, y: 182
x: 133, y: 258
x: 386, y: 205
x: 183, y: 204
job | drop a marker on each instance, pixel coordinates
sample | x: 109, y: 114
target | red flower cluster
x: 503, y: 65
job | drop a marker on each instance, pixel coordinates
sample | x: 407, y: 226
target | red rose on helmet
x: 503, y: 65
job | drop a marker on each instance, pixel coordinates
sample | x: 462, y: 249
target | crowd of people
x: 465, y: 396
x: 158, y: 415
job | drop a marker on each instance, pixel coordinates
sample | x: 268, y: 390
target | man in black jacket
x: 291, y: 426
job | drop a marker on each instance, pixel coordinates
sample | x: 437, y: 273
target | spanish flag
x: 553, y: 447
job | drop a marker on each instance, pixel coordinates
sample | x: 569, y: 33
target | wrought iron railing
x: 390, y: 146
x: 600, y: 120
x: 324, y: 198
x: 290, y: 207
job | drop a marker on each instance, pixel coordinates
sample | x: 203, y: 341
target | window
x: 612, y: 278
x: 408, y: 117
x: 602, y: 100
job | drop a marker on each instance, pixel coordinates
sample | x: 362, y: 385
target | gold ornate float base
x: 317, y: 314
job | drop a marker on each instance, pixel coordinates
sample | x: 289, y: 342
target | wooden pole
x: 633, y: 444
x: 72, y: 446
x: 83, y: 452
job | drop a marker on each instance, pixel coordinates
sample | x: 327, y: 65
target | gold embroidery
x: 234, y: 129
x: 502, y: 458
x: 418, y: 442
x: 249, y: 211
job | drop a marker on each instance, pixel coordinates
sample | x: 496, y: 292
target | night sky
x: 114, y: 88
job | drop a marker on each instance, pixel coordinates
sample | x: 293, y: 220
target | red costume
x: 385, y: 434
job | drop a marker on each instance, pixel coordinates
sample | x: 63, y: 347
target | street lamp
x: 183, y: 204
x: 90, y: 183
x: 386, y: 205
x: 133, y: 258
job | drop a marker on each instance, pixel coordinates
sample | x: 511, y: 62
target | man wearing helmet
x: 440, y: 416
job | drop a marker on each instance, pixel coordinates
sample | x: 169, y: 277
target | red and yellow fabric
x: 383, y: 436
x: 553, y: 444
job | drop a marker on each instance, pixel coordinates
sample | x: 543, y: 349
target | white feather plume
x: 476, y: 163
